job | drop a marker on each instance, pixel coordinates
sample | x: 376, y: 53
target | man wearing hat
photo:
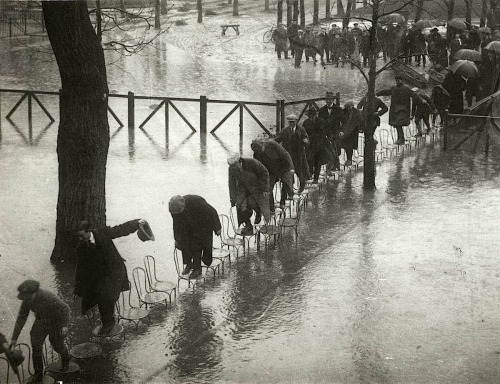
x: 101, y: 273
x: 194, y: 222
x: 400, y: 109
x: 352, y: 123
x: 279, y: 164
x: 292, y: 32
x: 51, y: 319
x: 316, y: 151
x: 298, y: 44
x: 280, y: 41
x: 295, y: 140
x: 248, y: 190
x: 331, y: 114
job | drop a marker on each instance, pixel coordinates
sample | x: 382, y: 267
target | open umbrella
x: 422, y: 24
x: 493, y: 46
x: 484, y: 30
x: 393, y: 18
x: 465, y: 68
x: 468, y: 54
x: 457, y: 24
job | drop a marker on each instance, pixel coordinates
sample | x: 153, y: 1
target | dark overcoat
x: 277, y: 161
x: 295, y: 145
x: 380, y: 108
x: 100, y: 271
x: 195, y: 225
x: 249, y: 184
x: 352, y: 123
x: 399, y: 112
x: 318, y: 140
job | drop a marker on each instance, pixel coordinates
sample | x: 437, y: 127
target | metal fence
x: 20, y: 21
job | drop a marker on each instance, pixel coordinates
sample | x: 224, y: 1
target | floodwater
x: 395, y: 286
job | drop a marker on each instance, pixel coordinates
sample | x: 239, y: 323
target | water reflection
x: 29, y: 140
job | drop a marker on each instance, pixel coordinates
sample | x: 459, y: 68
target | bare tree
x: 279, y: 12
x: 419, y: 9
x: 468, y: 12
x: 340, y: 8
x: 199, y: 7
x: 302, y: 13
x: 83, y: 136
x: 484, y: 13
x: 235, y: 8
x: 315, y: 12
x: 347, y: 15
x: 328, y: 11
x: 450, y: 8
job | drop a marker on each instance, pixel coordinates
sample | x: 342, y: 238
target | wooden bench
x: 236, y: 27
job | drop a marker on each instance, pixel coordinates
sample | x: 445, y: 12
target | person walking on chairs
x: 317, y: 150
x: 295, y: 140
x: 279, y: 164
x: 194, y: 221
x: 248, y: 190
x: 51, y: 319
x: 101, y: 273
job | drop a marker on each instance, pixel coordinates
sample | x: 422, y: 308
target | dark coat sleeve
x: 122, y: 229
x: 380, y: 107
x: 262, y: 174
x: 233, y: 185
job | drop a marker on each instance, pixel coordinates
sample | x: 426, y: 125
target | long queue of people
x: 295, y: 156
x: 352, y: 45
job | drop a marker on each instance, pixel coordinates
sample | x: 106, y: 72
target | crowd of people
x: 352, y: 45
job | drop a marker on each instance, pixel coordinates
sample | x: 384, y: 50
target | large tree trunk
x: 468, y: 12
x: 302, y: 13
x: 83, y: 136
x: 157, y: 14
x: 315, y: 12
x: 340, y: 8
x: 164, y: 7
x: 235, y: 8
x: 484, y: 13
x: 296, y: 10
x: 450, y: 8
x: 289, y: 12
x: 418, y: 10
x: 279, y: 12
x: 369, y: 150
x: 347, y: 15
x: 328, y: 11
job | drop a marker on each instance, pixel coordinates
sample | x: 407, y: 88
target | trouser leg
x: 107, y: 310
x: 317, y: 165
x: 38, y: 334
x: 401, y: 134
x: 426, y: 119
x: 285, y: 191
x: 57, y: 341
x: 272, y: 182
x: 197, y: 258
x: 348, y: 152
x: 187, y: 258
x: 244, y: 215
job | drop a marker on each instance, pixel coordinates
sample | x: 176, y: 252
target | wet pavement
x: 395, y: 286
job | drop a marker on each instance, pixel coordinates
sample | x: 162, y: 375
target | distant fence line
x: 170, y: 103
x: 21, y: 21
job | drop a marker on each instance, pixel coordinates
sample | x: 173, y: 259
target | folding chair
x: 238, y: 232
x: 269, y: 230
x: 230, y: 241
x: 145, y: 294
x: 158, y: 285
x: 386, y: 142
x: 179, y: 267
x: 52, y: 365
x: 292, y: 219
x: 95, y: 323
x: 127, y: 311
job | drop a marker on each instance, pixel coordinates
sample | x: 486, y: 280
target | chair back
x: 225, y: 223
x: 233, y: 214
x: 124, y: 301
x: 361, y: 143
x: 178, y: 261
x: 140, y: 281
x: 25, y: 368
x: 385, y: 137
x: 5, y: 371
x: 150, y: 267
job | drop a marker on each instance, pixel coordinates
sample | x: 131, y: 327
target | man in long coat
x: 248, y: 190
x: 400, y: 110
x: 100, y: 271
x: 279, y: 164
x: 331, y: 114
x: 316, y: 152
x: 280, y: 41
x: 295, y: 140
x: 352, y: 123
x: 194, y: 221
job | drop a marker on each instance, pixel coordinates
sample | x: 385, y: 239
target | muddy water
x: 396, y: 286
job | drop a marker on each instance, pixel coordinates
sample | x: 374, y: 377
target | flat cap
x: 28, y: 286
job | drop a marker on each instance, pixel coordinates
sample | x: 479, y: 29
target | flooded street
x: 400, y: 285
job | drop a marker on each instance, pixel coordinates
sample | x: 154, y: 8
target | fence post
x: 203, y: 115
x: 30, y: 117
x: 131, y: 110
x: 278, y: 115
x: 241, y: 121
x: 282, y: 120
